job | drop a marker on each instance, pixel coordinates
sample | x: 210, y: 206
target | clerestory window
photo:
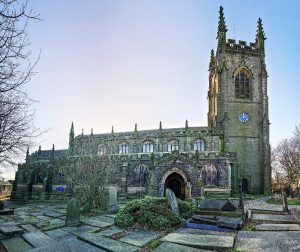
x: 172, y: 146
x: 148, y: 147
x: 242, y: 85
x: 101, y: 150
x: 199, y: 145
x: 123, y: 148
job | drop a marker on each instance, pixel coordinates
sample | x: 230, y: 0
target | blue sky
x: 122, y: 62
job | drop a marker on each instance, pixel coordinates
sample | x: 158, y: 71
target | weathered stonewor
x: 73, y: 212
x: 171, y: 197
x: 113, y: 203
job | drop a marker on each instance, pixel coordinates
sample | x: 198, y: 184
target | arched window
x: 210, y: 174
x: 172, y: 145
x: 242, y: 85
x: 123, y: 148
x: 199, y: 145
x: 148, y: 147
x: 140, y: 174
x: 101, y: 150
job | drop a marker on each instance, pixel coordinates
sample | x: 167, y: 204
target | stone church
x: 232, y: 150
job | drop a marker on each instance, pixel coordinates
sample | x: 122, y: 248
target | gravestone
x: 73, y: 212
x: 171, y: 197
x: 5, y: 211
x: 113, y: 203
x: 189, y: 186
x: 241, y: 198
x: 284, y: 201
x: 202, y: 192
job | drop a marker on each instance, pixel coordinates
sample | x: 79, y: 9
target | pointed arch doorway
x: 178, y: 182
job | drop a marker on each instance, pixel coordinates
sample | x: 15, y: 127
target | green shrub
x: 186, y: 209
x: 152, y: 212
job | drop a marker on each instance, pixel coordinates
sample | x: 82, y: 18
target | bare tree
x: 86, y: 176
x: 16, y: 129
x: 286, y: 161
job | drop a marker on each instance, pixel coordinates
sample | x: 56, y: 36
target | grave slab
x: 37, y: 239
x: 53, y: 214
x: 204, y: 232
x: 278, y: 227
x: 15, y: 244
x: 10, y: 229
x: 110, y: 215
x: 274, y: 218
x: 107, y: 244
x: 44, y: 218
x: 111, y: 231
x: 229, y: 222
x: 95, y: 222
x: 29, y: 228
x: 268, y: 243
x: 58, y: 222
x: 72, y: 244
x: 59, y: 234
x: 173, y: 247
x: 201, y: 241
x: 269, y: 235
x: 79, y: 230
x: 139, y: 237
x: 103, y: 218
x: 10, y: 223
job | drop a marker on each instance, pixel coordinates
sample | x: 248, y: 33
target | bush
x: 186, y: 209
x: 153, y: 213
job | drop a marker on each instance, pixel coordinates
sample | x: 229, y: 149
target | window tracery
x: 123, y: 148
x: 242, y: 85
x: 199, y: 145
x: 172, y: 145
x: 148, y: 147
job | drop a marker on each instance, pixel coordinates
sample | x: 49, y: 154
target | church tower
x: 238, y: 106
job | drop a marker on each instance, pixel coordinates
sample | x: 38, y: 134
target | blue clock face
x: 244, y: 117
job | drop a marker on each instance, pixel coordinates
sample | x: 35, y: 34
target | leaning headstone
x: 284, y: 202
x: 241, y: 198
x: 171, y: 197
x: 202, y: 192
x: 87, y: 205
x: 113, y: 202
x: 73, y: 212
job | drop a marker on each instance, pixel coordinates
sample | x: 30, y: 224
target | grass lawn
x: 293, y: 202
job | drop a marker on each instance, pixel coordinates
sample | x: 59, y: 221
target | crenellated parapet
x: 241, y: 47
